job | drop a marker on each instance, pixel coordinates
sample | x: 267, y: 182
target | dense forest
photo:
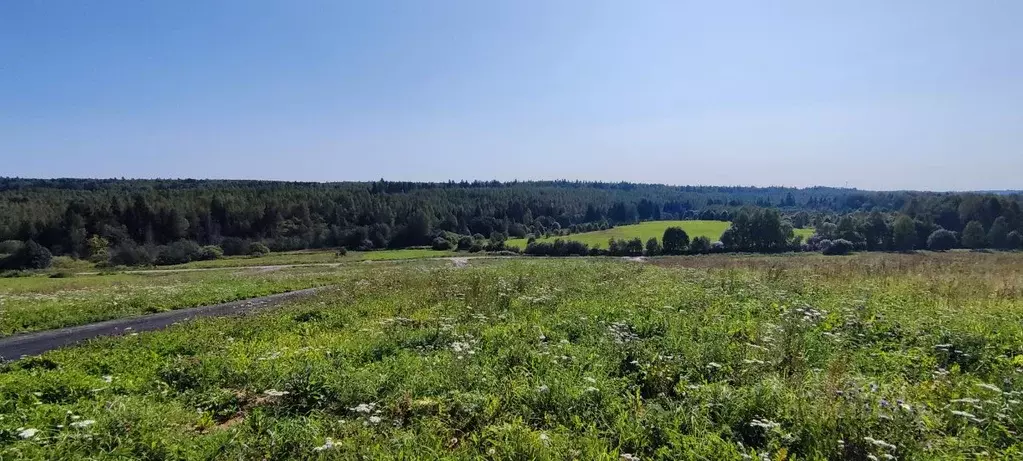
x: 75, y: 216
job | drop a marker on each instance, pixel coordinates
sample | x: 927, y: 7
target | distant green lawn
x: 710, y: 229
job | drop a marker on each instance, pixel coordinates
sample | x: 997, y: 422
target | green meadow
x: 710, y: 229
x: 328, y: 256
x: 41, y: 303
x: 870, y: 356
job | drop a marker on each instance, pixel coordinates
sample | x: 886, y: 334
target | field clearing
x: 710, y: 229
x: 709, y: 357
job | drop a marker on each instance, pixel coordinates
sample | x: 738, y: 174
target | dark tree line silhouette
x: 112, y: 218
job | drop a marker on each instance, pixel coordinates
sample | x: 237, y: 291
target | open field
x: 40, y: 303
x: 310, y: 257
x: 710, y: 229
x: 710, y: 357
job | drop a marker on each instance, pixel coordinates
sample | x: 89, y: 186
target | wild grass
x: 798, y: 357
x: 326, y: 256
x: 41, y: 303
x: 710, y: 229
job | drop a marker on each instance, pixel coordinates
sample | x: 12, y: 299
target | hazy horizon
x: 914, y: 95
x: 520, y: 180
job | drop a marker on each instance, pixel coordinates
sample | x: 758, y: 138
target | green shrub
x: 700, y: 244
x: 974, y: 235
x: 30, y: 256
x: 441, y: 244
x: 941, y: 240
x: 675, y: 240
x: 258, y: 249
x: 98, y: 249
x: 179, y: 252
x: 837, y: 247
x: 234, y: 246
x: 128, y: 253
x: 210, y: 252
x: 652, y: 247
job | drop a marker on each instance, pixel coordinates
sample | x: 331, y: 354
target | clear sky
x: 887, y: 94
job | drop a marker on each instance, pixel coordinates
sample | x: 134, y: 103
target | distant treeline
x: 73, y: 216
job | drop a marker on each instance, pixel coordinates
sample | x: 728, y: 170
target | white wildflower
x: 83, y: 423
x: 990, y: 387
x: 364, y: 408
x: 965, y: 400
x: 375, y: 419
x: 108, y: 378
x: 543, y: 389
x: 880, y: 443
x: 628, y: 457
x: 591, y: 389
x: 764, y: 423
x: 328, y: 444
x: 27, y: 433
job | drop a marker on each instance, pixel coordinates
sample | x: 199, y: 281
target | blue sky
x: 871, y: 94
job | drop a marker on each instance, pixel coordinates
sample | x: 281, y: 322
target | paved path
x: 13, y: 347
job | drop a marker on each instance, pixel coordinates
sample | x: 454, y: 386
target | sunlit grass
x: 710, y: 357
x: 710, y: 229
x: 41, y: 303
x: 326, y: 256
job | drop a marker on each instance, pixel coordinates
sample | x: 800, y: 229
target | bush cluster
x: 27, y: 256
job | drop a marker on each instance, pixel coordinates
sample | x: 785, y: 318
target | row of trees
x: 900, y: 232
x: 674, y: 241
x: 63, y: 214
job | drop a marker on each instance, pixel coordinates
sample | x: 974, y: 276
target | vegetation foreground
x: 874, y: 356
x: 44, y: 303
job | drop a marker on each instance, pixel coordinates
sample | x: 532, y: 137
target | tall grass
x: 709, y: 358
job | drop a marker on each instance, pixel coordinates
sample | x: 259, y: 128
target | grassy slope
x: 645, y: 230
x: 915, y: 357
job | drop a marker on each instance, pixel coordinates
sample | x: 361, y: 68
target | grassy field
x: 711, y: 357
x: 327, y: 256
x: 710, y: 229
x: 40, y: 303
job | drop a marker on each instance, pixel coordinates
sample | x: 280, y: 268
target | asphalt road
x: 15, y: 346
